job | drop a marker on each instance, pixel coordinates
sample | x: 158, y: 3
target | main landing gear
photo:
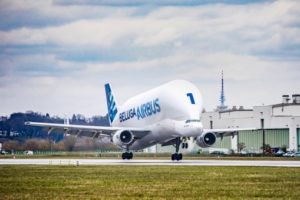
x: 127, y: 155
x: 177, y: 156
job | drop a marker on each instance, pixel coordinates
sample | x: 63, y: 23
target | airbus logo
x: 140, y: 112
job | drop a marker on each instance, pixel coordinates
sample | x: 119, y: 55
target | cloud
x: 45, y: 13
x: 257, y: 27
x: 104, y: 32
x: 57, y: 58
x: 153, y: 2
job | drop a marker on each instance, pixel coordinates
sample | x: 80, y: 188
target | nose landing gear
x: 176, y: 156
x: 127, y: 155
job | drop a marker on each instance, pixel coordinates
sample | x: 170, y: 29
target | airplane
x: 166, y: 115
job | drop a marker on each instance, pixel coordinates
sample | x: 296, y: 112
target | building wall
x: 282, y: 128
x: 253, y: 140
x: 277, y: 137
x: 292, y: 110
x: 298, y: 138
x: 252, y: 119
x: 236, y: 114
x: 223, y: 144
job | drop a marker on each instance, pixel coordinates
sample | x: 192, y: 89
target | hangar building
x: 280, y: 121
x: 281, y: 124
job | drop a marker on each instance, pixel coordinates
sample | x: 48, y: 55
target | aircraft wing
x: 227, y: 132
x: 88, y: 131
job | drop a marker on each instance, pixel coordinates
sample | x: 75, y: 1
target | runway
x: 148, y: 162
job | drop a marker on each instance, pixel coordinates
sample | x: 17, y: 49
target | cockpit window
x: 192, y: 120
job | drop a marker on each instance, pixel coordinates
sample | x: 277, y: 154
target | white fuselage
x: 171, y: 110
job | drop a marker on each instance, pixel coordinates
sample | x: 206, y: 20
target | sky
x: 56, y: 55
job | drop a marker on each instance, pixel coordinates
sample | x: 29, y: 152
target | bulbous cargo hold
x: 177, y: 100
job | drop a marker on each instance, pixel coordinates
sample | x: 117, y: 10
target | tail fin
x: 111, y: 103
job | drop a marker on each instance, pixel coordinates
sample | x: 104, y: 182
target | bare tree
x: 60, y: 146
x: 241, y: 146
x: 12, y: 145
x: 69, y: 142
x: 267, y: 149
x: 31, y: 144
x: 43, y: 144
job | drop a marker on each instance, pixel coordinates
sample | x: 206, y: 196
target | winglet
x: 111, y: 103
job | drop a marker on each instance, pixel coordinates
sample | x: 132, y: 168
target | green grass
x: 148, y: 182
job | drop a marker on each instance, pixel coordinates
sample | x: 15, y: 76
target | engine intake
x: 122, y: 138
x: 206, y: 140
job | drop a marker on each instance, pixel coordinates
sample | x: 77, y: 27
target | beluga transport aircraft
x: 166, y: 115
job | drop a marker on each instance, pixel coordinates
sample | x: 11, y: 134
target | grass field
x: 148, y: 182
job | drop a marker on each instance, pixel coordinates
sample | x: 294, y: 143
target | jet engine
x: 122, y: 138
x: 206, y: 140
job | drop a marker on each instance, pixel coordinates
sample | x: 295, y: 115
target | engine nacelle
x: 122, y: 138
x: 206, y: 140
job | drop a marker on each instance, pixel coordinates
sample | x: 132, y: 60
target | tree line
x: 15, y: 135
x: 14, y: 127
x: 69, y: 143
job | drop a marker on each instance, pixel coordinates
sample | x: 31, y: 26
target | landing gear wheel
x: 127, y: 155
x: 184, y: 145
x: 176, y: 156
x: 179, y: 157
x: 173, y: 157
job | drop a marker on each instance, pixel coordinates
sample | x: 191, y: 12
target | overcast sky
x: 55, y: 56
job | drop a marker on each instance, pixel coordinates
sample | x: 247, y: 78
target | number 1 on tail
x: 190, y: 95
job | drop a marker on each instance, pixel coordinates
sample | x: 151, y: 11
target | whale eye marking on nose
x: 190, y: 95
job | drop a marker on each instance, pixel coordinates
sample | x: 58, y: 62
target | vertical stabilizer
x: 111, y: 103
